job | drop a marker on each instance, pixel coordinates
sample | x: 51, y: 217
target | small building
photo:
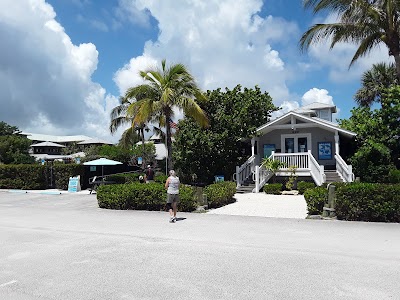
x: 305, y: 138
x: 47, y: 148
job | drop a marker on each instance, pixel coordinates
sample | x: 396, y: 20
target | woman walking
x: 172, y: 187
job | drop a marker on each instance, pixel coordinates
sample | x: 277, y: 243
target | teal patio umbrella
x: 102, y: 162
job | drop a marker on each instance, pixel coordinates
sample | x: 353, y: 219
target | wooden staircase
x: 332, y: 176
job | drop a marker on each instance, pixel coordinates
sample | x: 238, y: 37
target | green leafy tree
x: 365, y: 23
x: 148, y: 156
x: 165, y: 89
x: 372, y: 162
x: 374, y: 81
x: 14, y: 148
x: 233, y: 115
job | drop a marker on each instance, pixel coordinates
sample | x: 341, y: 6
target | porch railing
x: 344, y: 170
x: 304, y: 161
x: 261, y: 177
x: 244, y: 171
x: 300, y: 160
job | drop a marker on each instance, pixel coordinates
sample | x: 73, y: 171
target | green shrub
x: 368, y: 202
x: 372, y: 162
x: 273, y: 188
x: 124, y: 178
x: 220, y: 194
x: 394, y: 176
x: 161, y: 178
x: 142, y: 197
x: 62, y: 173
x: 29, y: 177
x: 302, y: 186
x: 315, y: 199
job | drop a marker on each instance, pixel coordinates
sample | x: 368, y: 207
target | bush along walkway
x: 369, y: 202
x: 152, y: 196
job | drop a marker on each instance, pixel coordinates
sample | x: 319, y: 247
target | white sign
x: 74, y: 184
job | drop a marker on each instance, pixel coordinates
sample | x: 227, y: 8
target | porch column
x: 337, y: 149
x: 253, y: 142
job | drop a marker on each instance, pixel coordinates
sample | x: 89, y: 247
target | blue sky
x: 64, y: 63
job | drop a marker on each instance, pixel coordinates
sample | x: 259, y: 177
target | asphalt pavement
x: 62, y: 246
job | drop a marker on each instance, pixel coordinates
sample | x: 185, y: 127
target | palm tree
x: 374, y: 82
x: 165, y: 89
x: 366, y: 23
x: 120, y: 117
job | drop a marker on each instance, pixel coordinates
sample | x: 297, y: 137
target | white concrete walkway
x: 264, y: 205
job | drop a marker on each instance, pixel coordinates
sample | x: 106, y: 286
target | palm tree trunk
x: 397, y: 60
x: 169, y: 142
x: 143, y: 148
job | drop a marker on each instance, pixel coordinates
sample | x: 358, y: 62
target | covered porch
x: 312, y: 146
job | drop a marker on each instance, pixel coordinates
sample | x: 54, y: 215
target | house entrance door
x: 294, y: 143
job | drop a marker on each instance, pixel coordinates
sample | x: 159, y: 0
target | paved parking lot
x: 65, y: 247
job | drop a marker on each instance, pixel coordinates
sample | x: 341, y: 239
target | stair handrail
x: 317, y: 171
x: 244, y: 171
x: 344, y: 170
x: 262, y: 175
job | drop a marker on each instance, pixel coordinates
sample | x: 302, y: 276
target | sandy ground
x: 264, y: 205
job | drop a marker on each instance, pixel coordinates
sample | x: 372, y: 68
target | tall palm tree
x: 366, y: 23
x: 163, y: 90
x: 119, y: 117
x: 374, y: 82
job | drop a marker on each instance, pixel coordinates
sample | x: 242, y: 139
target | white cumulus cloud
x: 45, y: 80
x: 223, y: 43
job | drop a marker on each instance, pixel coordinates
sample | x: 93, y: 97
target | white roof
x: 94, y: 141
x: 55, y: 138
x: 48, y: 144
x: 317, y: 105
x: 321, y: 123
x: 161, y: 150
x: 50, y: 156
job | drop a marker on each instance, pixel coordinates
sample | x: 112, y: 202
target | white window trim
x: 296, y: 144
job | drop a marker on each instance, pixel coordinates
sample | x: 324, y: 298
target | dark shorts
x: 172, y: 198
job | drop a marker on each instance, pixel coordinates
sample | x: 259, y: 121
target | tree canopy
x: 13, y: 147
x: 233, y: 116
x: 365, y: 23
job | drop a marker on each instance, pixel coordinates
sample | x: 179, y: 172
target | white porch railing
x: 305, y: 164
x: 261, y: 177
x: 345, y: 171
x: 244, y: 171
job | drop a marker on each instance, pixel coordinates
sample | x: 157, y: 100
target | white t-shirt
x: 173, y: 185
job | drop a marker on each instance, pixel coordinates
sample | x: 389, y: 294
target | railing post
x: 257, y: 178
x: 309, y: 160
x: 350, y: 174
x: 322, y: 171
x: 237, y: 176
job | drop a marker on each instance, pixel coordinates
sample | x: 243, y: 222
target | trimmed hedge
x: 273, y: 188
x: 27, y: 177
x: 125, y: 178
x: 220, y: 193
x: 302, y: 186
x: 368, y: 202
x: 315, y: 199
x: 62, y: 173
x: 140, y: 196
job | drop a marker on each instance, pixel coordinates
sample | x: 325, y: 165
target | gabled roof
x: 319, y: 122
x: 48, y: 144
x: 94, y: 141
x: 54, y: 138
x: 316, y: 106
